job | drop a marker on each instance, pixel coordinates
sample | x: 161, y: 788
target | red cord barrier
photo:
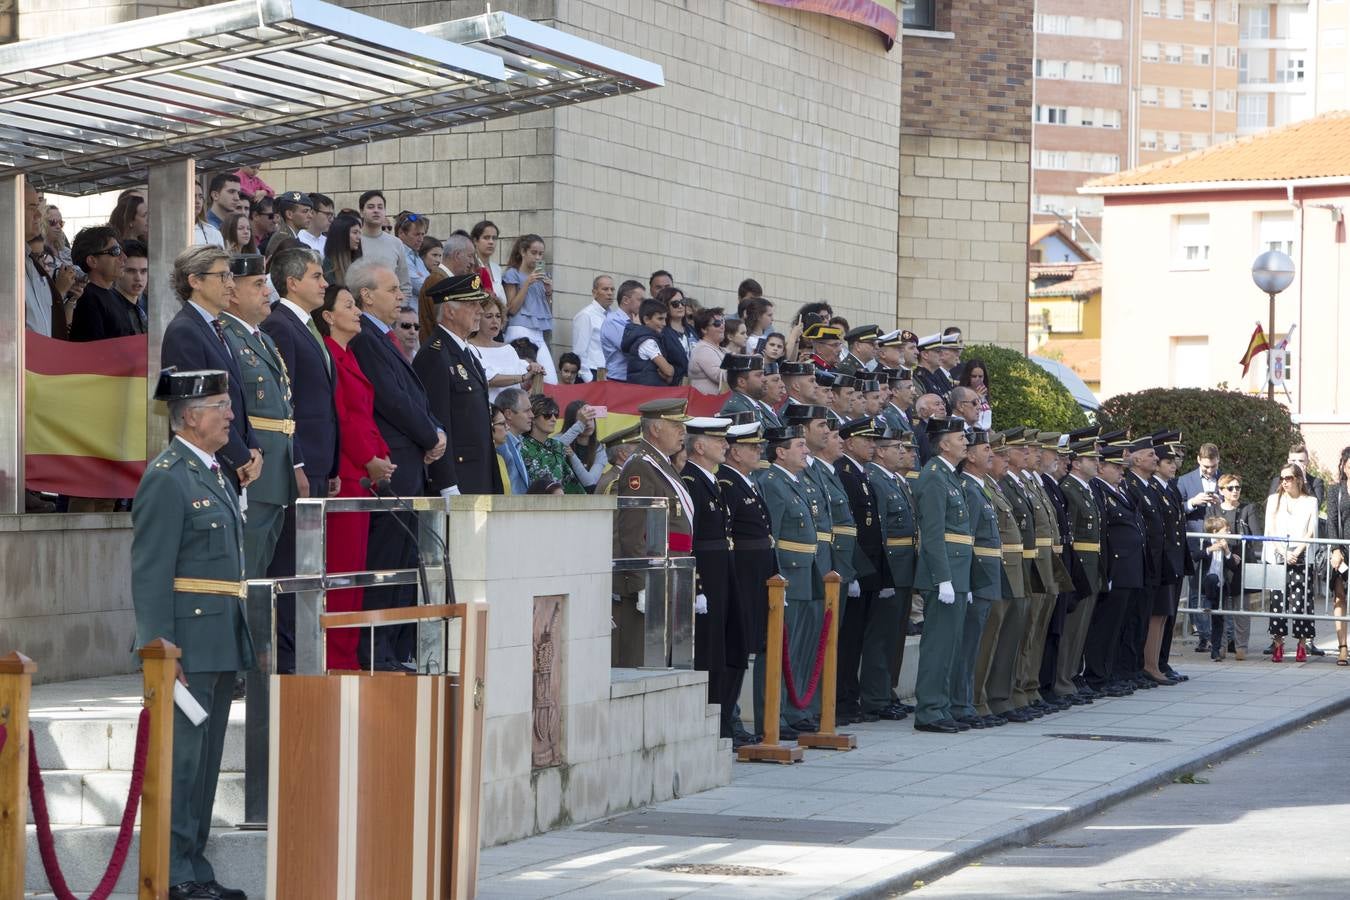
x: 4, y: 735
x: 793, y: 698
x: 46, y: 846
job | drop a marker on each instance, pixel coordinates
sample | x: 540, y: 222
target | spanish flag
x: 1257, y: 344
x: 84, y: 415
x: 624, y: 399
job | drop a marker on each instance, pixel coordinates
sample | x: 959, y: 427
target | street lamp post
x: 1272, y: 271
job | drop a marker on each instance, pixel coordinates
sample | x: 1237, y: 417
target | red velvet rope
x: 803, y: 702
x: 4, y: 736
x: 44, y: 828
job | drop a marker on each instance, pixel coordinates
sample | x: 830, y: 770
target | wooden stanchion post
x: 769, y: 750
x: 159, y: 664
x: 16, y: 684
x: 826, y: 738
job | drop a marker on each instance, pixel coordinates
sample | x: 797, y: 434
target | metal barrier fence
x: 668, y: 623
x: 1272, y: 568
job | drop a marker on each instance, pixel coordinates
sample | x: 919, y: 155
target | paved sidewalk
x: 907, y: 806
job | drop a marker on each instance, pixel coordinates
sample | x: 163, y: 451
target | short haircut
x: 1228, y: 478
x: 320, y: 200
x: 457, y: 242
x: 1298, y: 447
x: 135, y: 248
x: 703, y: 317
x: 1216, y: 524
x: 368, y: 196
x: 508, y: 399
x: 595, y: 282
x: 658, y: 273
x: 195, y: 260
x: 361, y: 276
x: 628, y: 287
x: 748, y: 288
x: 841, y: 322
x: 651, y: 308
x: 544, y: 405
x: 218, y: 182
x: 89, y: 242
x: 1207, y: 452
x: 261, y: 203
x: 290, y: 263
x: 569, y: 357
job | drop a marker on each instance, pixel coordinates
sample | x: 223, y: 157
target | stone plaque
x: 547, y: 691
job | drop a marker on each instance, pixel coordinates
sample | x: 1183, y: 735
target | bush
x: 1022, y: 393
x: 1253, y: 434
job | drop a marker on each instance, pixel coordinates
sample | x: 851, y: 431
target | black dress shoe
x: 787, y: 733
x: 1202, y: 646
x: 994, y: 721
x: 914, y: 629
x: 945, y: 726
x: 871, y: 717
x: 225, y: 893
x: 972, y: 721
x: 742, y: 740
x: 893, y: 714
x: 191, y: 890
x: 1016, y: 715
x: 909, y: 708
x: 1314, y: 650
x: 960, y: 726
x: 1173, y: 673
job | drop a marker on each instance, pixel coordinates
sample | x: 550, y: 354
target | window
x: 1202, y: 56
x: 1190, y: 362
x: 1199, y: 99
x: 1152, y: 8
x: 1176, y: 9
x: 1199, y: 140
x: 1052, y: 115
x: 1174, y: 53
x: 1064, y: 317
x: 1150, y: 51
x: 1275, y: 231
x: 1253, y: 111
x: 1148, y: 140
x: 1172, y: 98
x: 1228, y: 57
x: 1080, y: 26
x: 1110, y: 74
x: 1204, y: 10
x: 1051, y: 68
x: 1172, y: 141
x: 919, y: 14
x: 1292, y: 71
x: 1105, y: 162
x: 1052, y: 24
x: 1255, y: 23
x: 1230, y: 12
x: 1109, y: 118
x: 1244, y: 67
x: 1148, y: 96
x: 1053, y: 159
x: 1224, y: 100
x: 1190, y: 242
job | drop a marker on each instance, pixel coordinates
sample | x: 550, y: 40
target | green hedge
x: 1253, y: 434
x: 1022, y: 393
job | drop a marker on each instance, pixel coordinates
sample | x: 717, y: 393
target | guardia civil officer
x: 745, y: 377
x: 895, y: 512
x: 187, y: 573
x: 986, y: 576
x: 943, y: 573
x: 1085, y: 526
x: 996, y: 660
x: 267, y: 403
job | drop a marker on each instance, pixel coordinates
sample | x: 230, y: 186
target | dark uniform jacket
x: 718, y: 640
x: 986, y: 573
x: 869, y: 552
x: 457, y: 392
x: 187, y: 561
x: 946, y: 547
x: 935, y: 382
x: 267, y: 401
x: 895, y: 512
x: 1085, y: 527
x: 402, y: 412
x: 756, y: 561
x: 648, y: 473
x: 835, y: 534
x: 190, y: 344
x: 312, y: 394
x: 1014, y: 491
x: 1176, y: 561
x: 1123, y: 526
x: 1148, y: 505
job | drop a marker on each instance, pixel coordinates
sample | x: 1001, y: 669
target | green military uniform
x: 895, y: 510
x: 794, y: 507
x: 986, y: 586
x: 996, y: 662
x: 1085, y: 525
x: 1043, y: 587
x: 945, y: 555
x: 187, y: 568
x: 267, y: 402
x: 741, y: 403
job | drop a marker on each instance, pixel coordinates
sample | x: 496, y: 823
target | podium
x: 375, y: 777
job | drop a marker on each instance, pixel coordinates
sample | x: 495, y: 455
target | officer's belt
x: 1013, y: 549
x: 796, y: 547
x: 1028, y: 554
x: 959, y: 539
x: 211, y: 586
x: 756, y: 544
x: 1044, y: 542
x: 285, y: 426
x: 723, y: 544
x: 1084, y: 547
x: 823, y: 537
x: 996, y: 552
x: 848, y: 530
x: 902, y: 541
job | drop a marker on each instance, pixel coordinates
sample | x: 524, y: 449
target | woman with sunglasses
x: 705, y: 362
x: 677, y: 338
x: 1338, y: 528
x: 1244, y: 519
x: 547, y: 456
x: 1292, y: 514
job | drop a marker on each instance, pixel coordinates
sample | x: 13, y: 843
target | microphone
x: 382, y: 489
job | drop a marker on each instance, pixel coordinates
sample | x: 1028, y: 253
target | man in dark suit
x: 415, y: 439
x: 871, y: 569
x: 1199, y: 488
x: 195, y: 340
x: 457, y: 390
x: 297, y: 275
x: 103, y: 311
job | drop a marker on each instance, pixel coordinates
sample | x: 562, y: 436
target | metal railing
x: 1273, y: 564
x: 668, y: 622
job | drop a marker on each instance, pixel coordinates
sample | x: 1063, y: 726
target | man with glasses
x: 966, y: 406
x: 195, y: 339
x: 315, y: 234
x: 102, y: 312
x: 405, y: 329
x: 1200, y: 489
x: 264, y: 221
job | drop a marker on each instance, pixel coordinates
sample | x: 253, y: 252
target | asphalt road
x: 1273, y: 822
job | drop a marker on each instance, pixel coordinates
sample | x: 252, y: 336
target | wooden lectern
x: 375, y: 777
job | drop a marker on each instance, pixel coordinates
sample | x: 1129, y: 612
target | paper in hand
x: 183, y: 699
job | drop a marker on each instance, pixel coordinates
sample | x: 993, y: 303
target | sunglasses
x: 1233, y: 487
x: 1287, y: 477
x: 677, y: 303
x: 408, y: 326
x: 718, y: 323
x: 410, y: 216
x: 114, y: 250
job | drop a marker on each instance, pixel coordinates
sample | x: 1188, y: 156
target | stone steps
x: 98, y: 797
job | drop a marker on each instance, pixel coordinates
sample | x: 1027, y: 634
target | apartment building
x: 1277, y: 48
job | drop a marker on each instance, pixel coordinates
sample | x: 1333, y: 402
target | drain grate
x: 754, y: 828
x: 717, y: 869
x: 1118, y: 738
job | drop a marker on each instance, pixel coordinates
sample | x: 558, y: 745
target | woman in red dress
x: 364, y: 454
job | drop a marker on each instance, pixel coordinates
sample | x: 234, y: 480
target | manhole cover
x: 1119, y: 738
x: 718, y: 869
x: 1197, y: 887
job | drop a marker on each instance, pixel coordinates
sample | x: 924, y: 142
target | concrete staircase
x: 84, y: 734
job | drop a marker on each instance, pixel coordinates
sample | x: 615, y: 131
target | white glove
x: 701, y: 605
x: 887, y: 593
x: 450, y: 491
x: 854, y: 590
x: 970, y: 596
x: 642, y: 602
x: 947, y: 593
x: 1108, y: 585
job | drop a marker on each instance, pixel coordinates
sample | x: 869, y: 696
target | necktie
x: 220, y: 330
x: 318, y: 338
x: 393, y: 339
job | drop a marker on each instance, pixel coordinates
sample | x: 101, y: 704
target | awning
x: 251, y: 81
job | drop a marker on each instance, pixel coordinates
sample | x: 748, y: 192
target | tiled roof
x: 1317, y: 148
x: 1039, y: 231
x: 1083, y: 279
x: 1083, y: 355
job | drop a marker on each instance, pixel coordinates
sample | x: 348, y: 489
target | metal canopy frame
x: 250, y: 81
